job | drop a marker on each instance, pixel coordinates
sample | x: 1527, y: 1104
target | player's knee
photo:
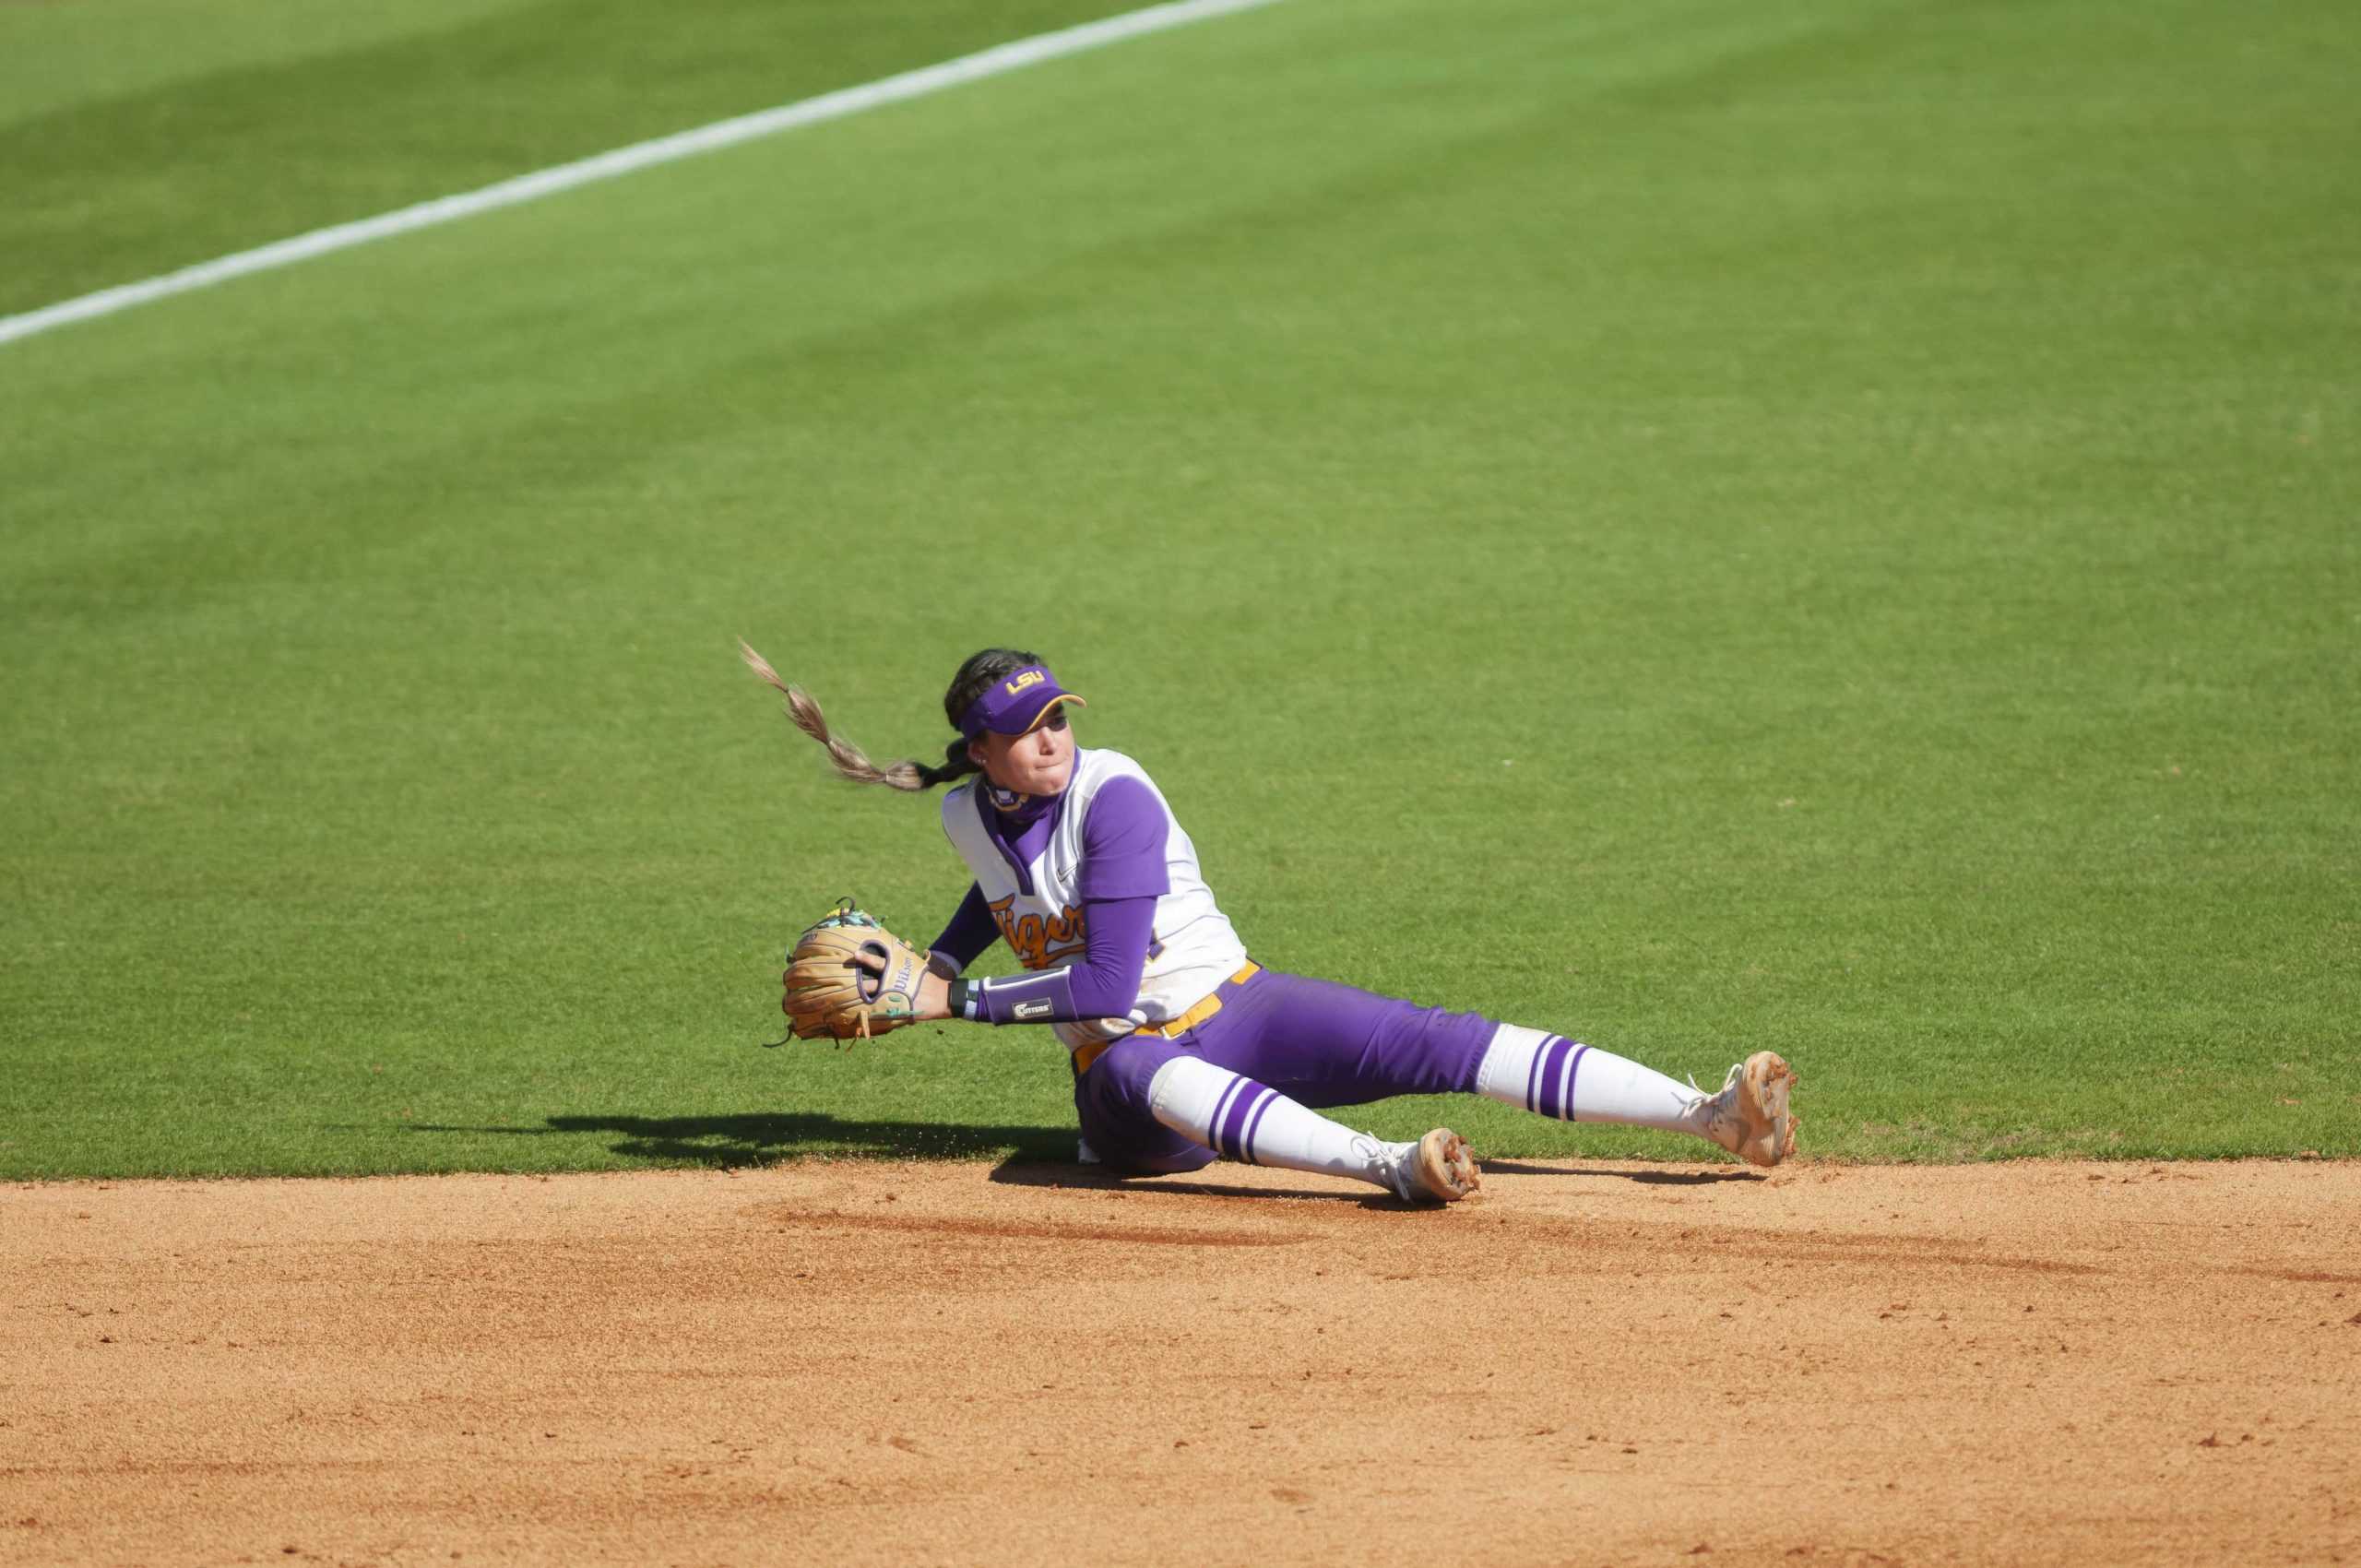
x: 1119, y: 1080
x: 1114, y: 1099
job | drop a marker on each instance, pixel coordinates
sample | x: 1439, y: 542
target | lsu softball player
x: 1184, y: 1049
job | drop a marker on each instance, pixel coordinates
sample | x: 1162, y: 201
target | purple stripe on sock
x: 1232, y: 1138
x: 1213, y: 1123
x: 1551, y: 1102
x: 1533, y: 1073
x: 1574, y: 1071
x: 1270, y: 1097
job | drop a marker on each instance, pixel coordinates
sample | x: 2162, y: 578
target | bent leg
x: 1118, y: 1125
x: 1255, y: 1124
x: 1153, y: 1107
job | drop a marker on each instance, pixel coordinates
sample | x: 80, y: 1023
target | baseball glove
x: 832, y: 994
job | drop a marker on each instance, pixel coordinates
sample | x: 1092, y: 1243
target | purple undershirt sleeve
x: 1124, y: 843
x: 1104, y: 984
x: 970, y: 931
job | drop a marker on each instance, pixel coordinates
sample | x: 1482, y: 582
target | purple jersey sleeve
x: 1103, y: 985
x: 970, y: 931
x: 1122, y: 844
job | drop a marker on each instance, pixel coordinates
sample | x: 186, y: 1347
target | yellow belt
x: 1173, y: 1028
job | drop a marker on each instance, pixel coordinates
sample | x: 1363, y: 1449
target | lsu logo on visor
x: 1029, y: 678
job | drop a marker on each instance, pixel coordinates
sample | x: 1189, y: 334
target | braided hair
x: 975, y: 677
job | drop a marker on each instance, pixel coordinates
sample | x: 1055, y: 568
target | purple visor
x: 1016, y: 703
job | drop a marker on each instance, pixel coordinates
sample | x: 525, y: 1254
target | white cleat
x: 1750, y: 1117
x: 1438, y: 1169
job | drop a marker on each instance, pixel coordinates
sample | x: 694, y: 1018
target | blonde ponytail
x: 849, y: 760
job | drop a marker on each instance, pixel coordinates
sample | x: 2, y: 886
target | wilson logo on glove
x: 848, y: 978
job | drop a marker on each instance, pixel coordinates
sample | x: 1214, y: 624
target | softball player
x: 1183, y: 1048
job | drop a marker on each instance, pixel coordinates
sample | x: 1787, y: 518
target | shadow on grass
x: 763, y: 1138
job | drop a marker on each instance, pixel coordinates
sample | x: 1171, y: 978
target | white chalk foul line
x: 835, y: 105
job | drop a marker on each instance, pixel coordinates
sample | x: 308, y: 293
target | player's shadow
x: 1025, y: 1170
x: 1029, y: 1156
x: 1031, y: 1171
x: 1645, y: 1178
x: 765, y: 1138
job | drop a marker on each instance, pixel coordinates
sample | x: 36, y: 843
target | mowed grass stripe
x: 54, y: 57
x: 1592, y: 518
x: 618, y: 162
x: 126, y: 185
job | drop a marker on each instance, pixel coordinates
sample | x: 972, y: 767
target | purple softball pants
x: 1319, y: 1043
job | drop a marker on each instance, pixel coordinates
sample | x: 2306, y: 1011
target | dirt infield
x: 859, y: 1363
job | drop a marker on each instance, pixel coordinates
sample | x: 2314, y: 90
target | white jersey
x: 1192, y: 948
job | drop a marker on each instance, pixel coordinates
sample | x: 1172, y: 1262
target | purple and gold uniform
x: 1185, y: 1050
x: 1050, y: 874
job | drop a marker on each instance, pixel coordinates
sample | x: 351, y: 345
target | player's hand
x: 830, y: 989
x: 933, y: 999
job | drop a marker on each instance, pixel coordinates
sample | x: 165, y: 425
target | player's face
x: 1039, y: 762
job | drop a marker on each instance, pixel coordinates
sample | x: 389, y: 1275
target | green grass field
x: 1700, y: 525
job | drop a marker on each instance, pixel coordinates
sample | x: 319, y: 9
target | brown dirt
x: 859, y: 1363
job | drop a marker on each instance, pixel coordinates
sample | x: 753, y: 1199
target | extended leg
x: 1326, y: 1044
x: 1555, y: 1076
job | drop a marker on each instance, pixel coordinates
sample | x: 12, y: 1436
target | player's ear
x: 976, y: 753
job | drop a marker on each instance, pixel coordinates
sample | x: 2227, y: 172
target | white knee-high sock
x: 1556, y: 1077
x: 1246, y: 1121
